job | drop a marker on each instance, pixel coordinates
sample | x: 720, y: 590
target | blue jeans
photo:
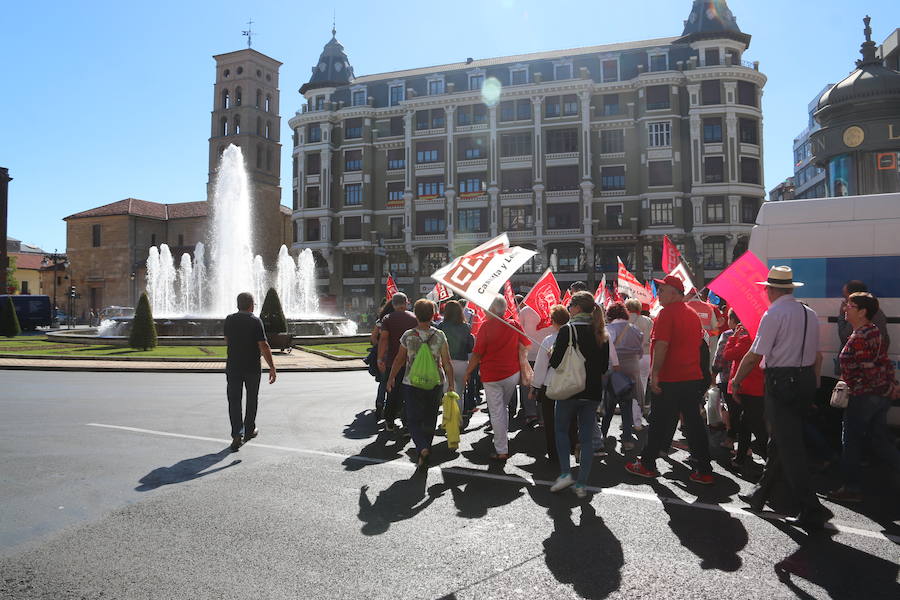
x: 381, y: 393
x: 865, y: 421
x: 421, y: 413
x: 609, y: 403
x: 566, y: 410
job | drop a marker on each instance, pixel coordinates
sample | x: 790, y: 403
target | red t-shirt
x: 396, y: 324
x: 680, y: 326
x: 735, y: 348
x: 498, y: 346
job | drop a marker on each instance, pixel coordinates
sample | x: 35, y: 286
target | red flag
x: 600, y: 294
x: 390, y: 288
x: 567, y: 297
x: 542, y: 297
x: 616, y: 297
x: 671, y: 257
x: 512, y: 311
x: 705, y: 311
x: 441, y: 292
x: 478, y: 318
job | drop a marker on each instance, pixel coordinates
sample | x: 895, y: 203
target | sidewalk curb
x: 96, y: 369
x: 162, y: 359
x: 324, y: 354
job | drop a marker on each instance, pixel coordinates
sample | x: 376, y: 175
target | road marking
x: 474, y: 473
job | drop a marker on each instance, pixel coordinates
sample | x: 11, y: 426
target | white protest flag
x: 479, y: 275
x: 680, y: 271
x: 628, y: 284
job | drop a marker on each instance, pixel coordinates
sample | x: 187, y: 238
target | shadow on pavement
x: 184, y: 470
x: 840, y: 570
x: 475, y: 495
x: 404, y: 499
x: 377, y: 451
x: 364, y: 425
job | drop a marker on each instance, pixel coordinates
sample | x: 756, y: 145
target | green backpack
x: 423, y: 373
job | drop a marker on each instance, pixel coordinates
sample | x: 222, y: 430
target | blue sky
x: 106, y: 100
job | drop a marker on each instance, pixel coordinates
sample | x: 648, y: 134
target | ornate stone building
x: 583, y: 154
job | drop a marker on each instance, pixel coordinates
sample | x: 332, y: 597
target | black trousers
x: 237, y: 382
x: 789, y: 394
x: 753, y: 424
x: 393, y: 403
x: 682, y: 397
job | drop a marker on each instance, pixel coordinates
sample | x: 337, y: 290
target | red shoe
x: 638, y: 468
x: 702, y: 478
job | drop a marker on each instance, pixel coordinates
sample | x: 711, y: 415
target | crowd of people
x: 667, y: 369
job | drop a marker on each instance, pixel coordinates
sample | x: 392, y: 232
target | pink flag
x: 542, y: 297
x: 736, y: 285
x: 390, y: 288
x: 670, y: 255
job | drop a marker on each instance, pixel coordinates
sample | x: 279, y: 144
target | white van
x: 829, y: 241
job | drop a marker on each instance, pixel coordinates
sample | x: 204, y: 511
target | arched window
x: 259, y: 128
x: 223, y: 130
x: 259, y: 153
x: 268, y: 102
x: 237, y: 125
x: 268, y: 159
x: 226, y: 99
x: 258, y: 98
x: 237, y: 96
x: 268, y: 130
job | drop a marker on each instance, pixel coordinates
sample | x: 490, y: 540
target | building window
x: 396, y: 94
x: 551, y: 106
x: 570, y: 258
x: 353, y: 228
x: 268, y: 159
x: 711, y: 92
x: 517, y: 218
x: 612, y: 141
x: 226, y: 99
x: 659, y: 62
x: 312, y: 197
x: 615, y: 218
x: 430, y: 223
x: 471, y: 148
x: 237, y: 125
x: 358, y: 98
x: 610, y: 70
x: 749, y: 209
x: 515, y: 144
x: 223, y: 126
x: 749, y: 170
x: 352, y: 129
x: 658, y: 97
x: 313, y: 164
x: 318, y: 103
x: 507, y: 111
x: 712, y: 57
x: 353, y: 194
x: 429, y: 152
x: 523, y: 110
x: 660, y: 134
x: 469, y: 220
x: 747, y: 93
x: 434, y: 260
x: 313, y: 231
x: 472, y: 184
x: 395, y: 228
x: 518, y: 76
x: 712, y: 130
x: 713, y: 169
x: 563, y: 216
x: 357, y: 265
x: 296, y: 203
x: 749, y: 131
x: 396, y: 159
x: 473, y: 114
x: 430, y: 186
x: 715, y: 209
x: 268, y: 103
x: 95, y: 235
x: 152, y: 239
x: 660, y: 212
x: 660, y: 172
x: 398, y: 126
x: 570, y: 104
x: 562, y: 140
x: 395, y: 193
x: 562, y: 72
x: 610, y: 105
x: 476, y: 82
x: 515, y: 181
x: 314, y: 133
x: 562, y: 178
x: 714, y: 253
x: 353, y: 160
x: 435, y: 87
x: 612, y: 178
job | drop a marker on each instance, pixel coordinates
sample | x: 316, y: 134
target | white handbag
x: 840, y: 395
x: 570, y: 376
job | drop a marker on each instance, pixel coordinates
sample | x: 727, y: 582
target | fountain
x: 193, y: 298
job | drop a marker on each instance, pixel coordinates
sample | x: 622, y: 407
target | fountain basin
x: 91, y: 336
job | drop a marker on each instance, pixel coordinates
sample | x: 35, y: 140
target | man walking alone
x: 246, y: 341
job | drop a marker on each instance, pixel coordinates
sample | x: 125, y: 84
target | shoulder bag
x: 570, y: 376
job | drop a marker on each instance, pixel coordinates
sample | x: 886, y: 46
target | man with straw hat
x: 788, y: 338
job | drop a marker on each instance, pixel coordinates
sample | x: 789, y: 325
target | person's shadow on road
x: 376, y: 452
x: 364, y: 425
x: 184, y: 470
x: 404, y: 499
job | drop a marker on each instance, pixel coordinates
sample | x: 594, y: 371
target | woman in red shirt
x: 750, y: 398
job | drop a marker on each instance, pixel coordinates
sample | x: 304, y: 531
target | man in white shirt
x: 530, y: 320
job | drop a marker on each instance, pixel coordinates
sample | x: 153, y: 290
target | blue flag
x: 653, y: 287
x: 713, y: 298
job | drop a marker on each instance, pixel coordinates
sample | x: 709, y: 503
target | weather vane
x: 249, y: 32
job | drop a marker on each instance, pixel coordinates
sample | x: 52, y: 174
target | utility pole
x: 4, y: 202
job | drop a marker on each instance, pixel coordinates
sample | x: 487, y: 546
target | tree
x: 9, y: 320
x: 143, y: 329
x: 271, y: 314
x: 12, y: 284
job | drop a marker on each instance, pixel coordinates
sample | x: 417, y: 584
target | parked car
x: 33, y: 311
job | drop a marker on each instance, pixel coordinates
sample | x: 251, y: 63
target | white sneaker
x: 562, y: 482
x: 580, y: 491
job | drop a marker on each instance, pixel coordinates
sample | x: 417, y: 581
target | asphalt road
x: 117, y: 485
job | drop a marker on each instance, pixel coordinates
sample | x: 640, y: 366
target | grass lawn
x: 354, y: 349
x: 38, y: 345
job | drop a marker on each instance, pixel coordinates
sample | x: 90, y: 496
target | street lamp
x: 54, y: 259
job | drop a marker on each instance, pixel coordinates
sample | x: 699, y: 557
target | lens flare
x: 490, y: 91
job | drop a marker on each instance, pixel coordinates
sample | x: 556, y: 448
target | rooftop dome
x: 712, y: 19
x: 333, y: 68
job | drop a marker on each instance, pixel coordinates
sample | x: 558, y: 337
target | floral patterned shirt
x: 865, y: 365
